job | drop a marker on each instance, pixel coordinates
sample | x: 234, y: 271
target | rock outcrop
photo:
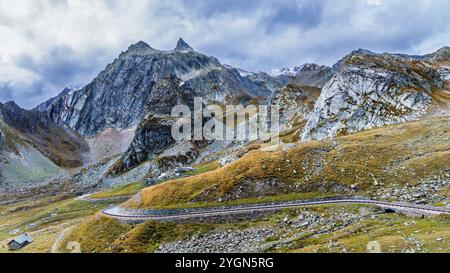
x: 296, y: 93
x: 2, y: 140
x: 372, y: 90
x: 152, y: 137
x: 47, y: 104
x: 295, y: 104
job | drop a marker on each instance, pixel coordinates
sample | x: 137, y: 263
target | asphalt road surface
x: 143, y: 215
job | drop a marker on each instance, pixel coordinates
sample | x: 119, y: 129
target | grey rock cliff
x: 47, y: 104
x: 372, y: 90
x: 153, y: 136
x: 2, y: 140
x: 295, y: 104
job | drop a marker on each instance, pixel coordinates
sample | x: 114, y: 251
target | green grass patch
x: 205, y: 167
x: 33, y: 215
x: 126, y: 190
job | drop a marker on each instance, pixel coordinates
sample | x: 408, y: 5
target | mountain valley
x: 374, y: 125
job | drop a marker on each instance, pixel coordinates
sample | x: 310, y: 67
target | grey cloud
x: 62, y: 65
x: 252, y: 34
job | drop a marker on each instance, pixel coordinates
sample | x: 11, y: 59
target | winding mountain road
x: 184, y: 214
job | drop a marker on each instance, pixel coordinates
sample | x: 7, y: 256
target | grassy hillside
x: 45, y: 219
x: 393, y: 233
x: 394, y: 155
x: 21, y: 161
x: 61, y: 145
x: 313, y: 229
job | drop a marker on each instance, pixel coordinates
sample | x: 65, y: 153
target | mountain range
x: 88, y: 167
x: 117, y: 127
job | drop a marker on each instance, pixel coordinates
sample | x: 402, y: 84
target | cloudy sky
x: 49, y: 44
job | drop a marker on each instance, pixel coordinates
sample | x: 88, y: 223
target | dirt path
x: 60, y: 239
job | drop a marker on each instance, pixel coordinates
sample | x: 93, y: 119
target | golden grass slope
x: 395, y: 233
x: 401, y: 154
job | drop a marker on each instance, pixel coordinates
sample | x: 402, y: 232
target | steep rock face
x: 183, y: 46
x: 152, y: 137
x: 295, y: 104
x: 47, y: 104
x: 61, y: 145
x: 167, y: 93
x: 372, y: 90
x: 296, y: 98
x: 2, y: 140
x: 120, y: 95
x: 109, y: 143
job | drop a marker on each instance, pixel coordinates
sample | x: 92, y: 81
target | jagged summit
x: 139, y: 45
x: 362, y: 51
x: 10, y: 105
x: 138, y: 48
x: 45, y: 105
x: 143, y: 77
x: 442, y: 54
x: 142, y: 48
x: 183, y: 46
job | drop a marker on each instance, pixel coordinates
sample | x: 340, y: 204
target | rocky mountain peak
x: 442, y: 54
x: 139, y: 48
x: 10, y: 108
x: 361, y: 51
x: 11, y: 104
x: 119, y: 96
x: 183, y: 46
x: 370, y: 90
x: 47, y: 104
